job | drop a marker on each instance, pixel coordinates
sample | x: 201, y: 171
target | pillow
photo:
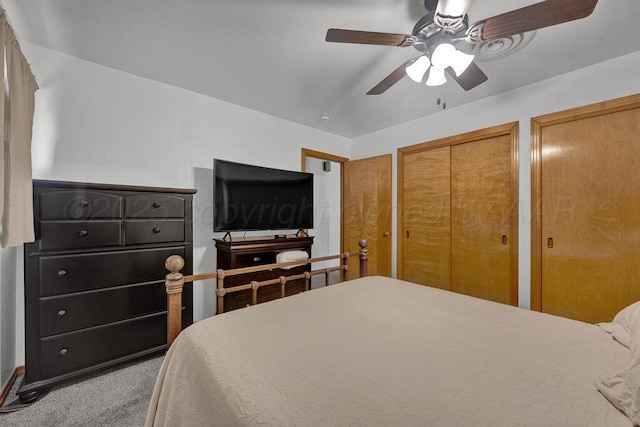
x: 622, y: 388
x: 289, y: 256
x: 621, y: 325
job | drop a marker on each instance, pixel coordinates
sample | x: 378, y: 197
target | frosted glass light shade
x: 442, y: 55
x: 417, y: 70
x: 460, y: 61
x: 436, y: 77
x: 446, y: 55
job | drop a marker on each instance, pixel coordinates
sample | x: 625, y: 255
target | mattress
x: 380, y: 351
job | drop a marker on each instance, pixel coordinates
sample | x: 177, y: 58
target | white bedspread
x: 379, y: 351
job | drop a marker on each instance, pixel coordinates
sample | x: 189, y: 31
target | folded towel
x: 288, y: 256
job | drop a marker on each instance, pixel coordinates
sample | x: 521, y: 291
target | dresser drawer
x: 74, y: 273
x: 82, y: 310
x: 250, y: 260
x: 58, y: 235
x: 75, y: 350
x: 154, y: 206
x: 79, y: 204
x: 149, y: 231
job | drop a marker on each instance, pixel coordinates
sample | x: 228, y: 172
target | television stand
x: 253, y: 251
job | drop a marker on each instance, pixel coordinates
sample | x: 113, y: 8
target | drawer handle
x: 62, y: 273
x: 62, y: 312
x: 84, y: 203
x: 83, y: 233
x: 156, y: 230
x: 156, y: 205
x: 63, y: 351
x: 257, y: 259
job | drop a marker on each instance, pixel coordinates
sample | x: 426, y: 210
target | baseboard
x: 6, y: 388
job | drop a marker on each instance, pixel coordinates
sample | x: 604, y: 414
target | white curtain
x: 20, y: 86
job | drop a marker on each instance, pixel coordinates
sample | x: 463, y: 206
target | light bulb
x: 418, y: 68
x: 436, y: 77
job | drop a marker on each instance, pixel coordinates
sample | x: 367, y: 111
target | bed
x: 381, y: 351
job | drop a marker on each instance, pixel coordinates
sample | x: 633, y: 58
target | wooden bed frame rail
x: 176, y: 280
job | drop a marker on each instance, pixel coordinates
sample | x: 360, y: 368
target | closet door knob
x: 385, y: 234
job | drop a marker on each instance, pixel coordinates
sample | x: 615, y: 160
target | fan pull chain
x: 442, y: 100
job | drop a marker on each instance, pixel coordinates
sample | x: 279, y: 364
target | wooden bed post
x: 364, y: 257
x: 220, y: 291
x: 174, y: 283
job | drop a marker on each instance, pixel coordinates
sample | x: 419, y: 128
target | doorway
x: 328, y: 198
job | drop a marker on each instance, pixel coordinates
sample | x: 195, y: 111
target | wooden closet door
x: 457, y: 213
x: 368, y: 213
x: 481, y: 219
x: 590, y: 219
x: 426, y: 218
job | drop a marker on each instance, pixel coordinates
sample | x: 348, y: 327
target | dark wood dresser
x: 253, y: 251
x: 94, y: 277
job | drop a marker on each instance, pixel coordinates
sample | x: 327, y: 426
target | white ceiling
x: 270, y: 55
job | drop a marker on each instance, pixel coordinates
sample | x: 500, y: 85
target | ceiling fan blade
x: 536, y: 16
x: 369, y: 37
x: 472, y: 76
x: 390, y: 80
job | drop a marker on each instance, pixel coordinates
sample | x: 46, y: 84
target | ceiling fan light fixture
x: 460, y: 61
x: 446, y: 55
x: 442, y: 55
x: 436, y: 77
x: 418, y: 69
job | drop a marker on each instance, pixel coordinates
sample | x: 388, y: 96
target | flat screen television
x: 248, y: 197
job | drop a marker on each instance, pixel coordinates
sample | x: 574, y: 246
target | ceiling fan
x: 444, y: 33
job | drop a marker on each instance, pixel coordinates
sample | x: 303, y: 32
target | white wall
x: 601, y: 82
x: 97, y: 124
x: 8, y: 306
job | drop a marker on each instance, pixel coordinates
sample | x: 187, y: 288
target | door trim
x: 306, y: 152
x: 537, y: 126
x: 508, y: 129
